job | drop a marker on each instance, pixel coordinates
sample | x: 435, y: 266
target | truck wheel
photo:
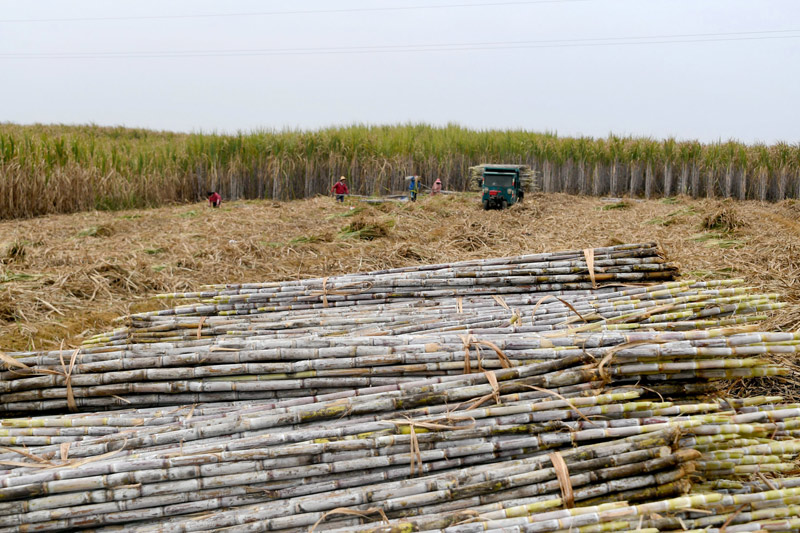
x: 503, y: 203
x: 485, y: 205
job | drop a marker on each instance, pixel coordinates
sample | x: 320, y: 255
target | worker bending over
x: 214, y: 199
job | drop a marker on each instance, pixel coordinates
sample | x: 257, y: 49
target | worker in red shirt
x: 340, y: 189
x: 214, y: 199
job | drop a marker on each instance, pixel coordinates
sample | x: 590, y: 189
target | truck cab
x: 501, y: 186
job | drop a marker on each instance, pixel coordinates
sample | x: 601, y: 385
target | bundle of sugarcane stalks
x: 591, y: 271
x: 190, y: 360
x: 478, y: 396
x: 530, y: 179
x: 437, y: 451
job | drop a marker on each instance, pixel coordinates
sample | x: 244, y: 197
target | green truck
x: 501, y: 185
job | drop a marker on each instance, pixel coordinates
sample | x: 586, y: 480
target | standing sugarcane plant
x: 46, y: 169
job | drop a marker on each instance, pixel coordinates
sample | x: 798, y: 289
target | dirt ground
x: 64, y: 277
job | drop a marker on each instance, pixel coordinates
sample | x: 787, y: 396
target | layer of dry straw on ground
x: 67, y: 276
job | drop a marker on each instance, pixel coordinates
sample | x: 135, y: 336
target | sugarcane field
x: 393, y: 266
x: 568, y: 363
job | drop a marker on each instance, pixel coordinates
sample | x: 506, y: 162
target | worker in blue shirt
x: 413, y: 188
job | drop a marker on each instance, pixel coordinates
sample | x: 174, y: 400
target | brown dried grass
x: 68, y: 282
x: 724, y: 219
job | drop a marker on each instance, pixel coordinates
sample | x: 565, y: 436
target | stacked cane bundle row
x: 773, y: 507
x: 669, y: 306
x: 437, y: 451
x: 531, y: 180
x: 674, y: 363
x: 570, y: 272
x: 260, y: 367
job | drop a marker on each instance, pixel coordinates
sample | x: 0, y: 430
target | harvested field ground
x: 64, y: 277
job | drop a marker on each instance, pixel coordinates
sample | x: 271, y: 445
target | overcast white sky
x: 705, y: 69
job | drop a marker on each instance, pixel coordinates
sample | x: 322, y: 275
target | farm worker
x: 437, y: 186
x: 413, y: 188
x: 340, y: 189
x: 214, y: 199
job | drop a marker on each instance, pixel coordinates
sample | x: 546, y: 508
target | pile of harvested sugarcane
x: 516, y: 394
x: 669, y: 306
x: 562, y: 273
x: 759, y: 506
x: 530, y: 179
x: 439, y: 451
x: 255, y: 360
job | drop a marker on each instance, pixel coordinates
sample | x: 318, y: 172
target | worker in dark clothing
x: 340, y: 189
x: 214, y: 199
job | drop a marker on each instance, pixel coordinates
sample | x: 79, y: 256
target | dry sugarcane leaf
x: 559, y: 396
x: 545, y: 298
x: 11, y: 362
x: 473, y: 515
x: 505, y: 362
x: 589, y: 255
x: 611, y: 352
x: 415, y: 452
x: 562, y: 474
x: 100, y: 457
x: 64, y: 450
x: 120, y: 398
x: 491, y: 377
x: 24, y: 465
x: 499, y: 299
x: 67, y: 373
x: 732, y: 517
x: 40, y: 462
x: 352, y: 512
x: 340, y: 291
x: 467, y: 340
x: 200, y: 326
